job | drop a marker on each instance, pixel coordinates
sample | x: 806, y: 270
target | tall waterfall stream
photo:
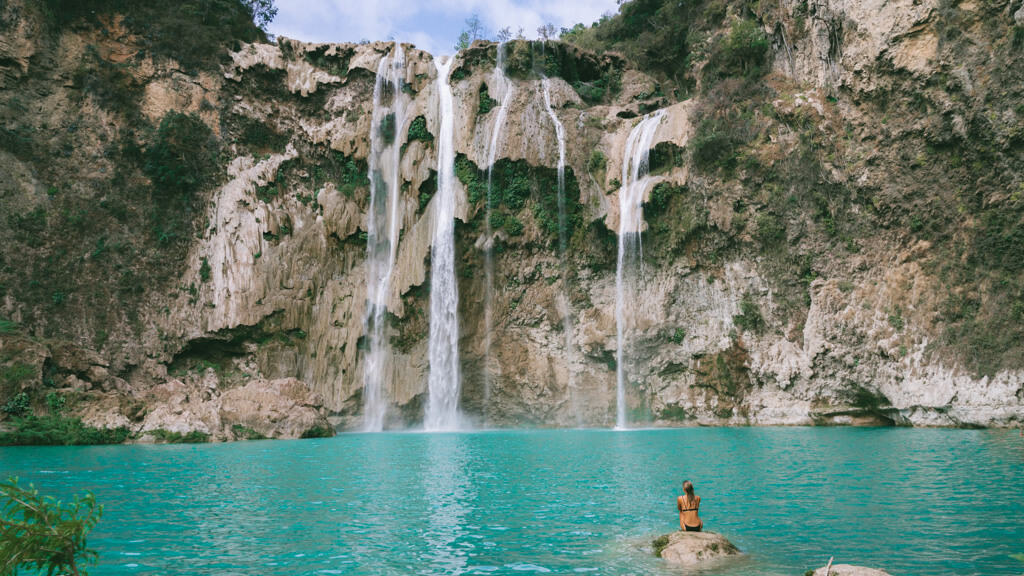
x: 443, y: 345
x: 383, y: 225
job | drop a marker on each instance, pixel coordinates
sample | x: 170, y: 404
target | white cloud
x: 432, y: 26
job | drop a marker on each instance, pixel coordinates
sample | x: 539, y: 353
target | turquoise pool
x: 912, y: 501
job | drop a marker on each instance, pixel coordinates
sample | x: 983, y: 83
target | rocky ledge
x: 693, y: 548
x: 846, y: 570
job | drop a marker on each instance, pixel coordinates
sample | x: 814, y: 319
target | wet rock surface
x: 693, y: 548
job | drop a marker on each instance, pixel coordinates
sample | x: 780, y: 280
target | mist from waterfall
x: 635, y: 169
x: 383, y: 226
x: 564, y: 304
x: 442, y: 411
x: 504, y: 90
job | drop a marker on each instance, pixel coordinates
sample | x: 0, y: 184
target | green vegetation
x: 347, y: 173
x: 659, y: 544
x: 513, y: 226
x: 678, y: 336
x: 241, y: 432
x: 750, y: 318
x: 210, y: 26
x: 318, y: 432
x: 427, y: 189
x: 55, y: 403
x: 182, y: 156
x: 743, y: 53
x: 170, y: 437
x: 516, y: 182
x: 668, y: 40
x: 664, y: 157
x: 662, y: 50
x: 597, y: 163
x: 29, y: 227
x: 727, y: 125
x: 896, y: 319
x: 204, y: 270
x: 39, y: 533
x: 472, y: 178
x: 259, y: 136
x: 474, y: 30
x: 14, y: 375
x: 485, y: 101
x: 418, y: 130
x: 57, y: 430
x: 675, y: 220
x: 7, y: 326
x: 111, y: 84
x: 17, y: 406
x: 771, y: 229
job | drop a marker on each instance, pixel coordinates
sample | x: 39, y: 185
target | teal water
x: 912, y: 501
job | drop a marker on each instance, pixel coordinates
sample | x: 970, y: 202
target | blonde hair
x: 688, y: 488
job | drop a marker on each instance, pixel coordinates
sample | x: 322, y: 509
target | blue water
x: 911, y: 501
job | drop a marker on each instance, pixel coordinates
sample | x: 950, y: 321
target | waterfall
x: 631, y: 221
x: 565, y: 304
x: 383, y: 226
x: 443, y: 384
x: 502, y: 89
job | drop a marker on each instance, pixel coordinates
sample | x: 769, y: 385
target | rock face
x: 695, y: 548
x: 849, y: 570
x: 743, y: 316
x: 283, y: 408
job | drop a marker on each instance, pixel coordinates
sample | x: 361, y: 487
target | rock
x: 1018, y: 16
x: 692, y: 548
x: 283, y: 408
x: 849, y: 570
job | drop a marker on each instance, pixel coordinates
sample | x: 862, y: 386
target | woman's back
x: 689, y: 506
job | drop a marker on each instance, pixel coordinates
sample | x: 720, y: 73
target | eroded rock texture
x: 827, y: 311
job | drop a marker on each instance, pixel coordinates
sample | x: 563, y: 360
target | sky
x: 432, y: 25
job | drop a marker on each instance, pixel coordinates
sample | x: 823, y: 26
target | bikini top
x: 694, y: 509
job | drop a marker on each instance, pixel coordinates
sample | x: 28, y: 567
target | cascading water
x: 502, y: 89
x: 443, y: 345
x: 635, y: 166
x: 382, y: 228
x: 566, y: 307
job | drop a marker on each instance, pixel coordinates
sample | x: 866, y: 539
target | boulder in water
x: 692, y: 548
x: 847, y: 570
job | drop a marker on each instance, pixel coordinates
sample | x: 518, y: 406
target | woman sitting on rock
x: 689, y: 520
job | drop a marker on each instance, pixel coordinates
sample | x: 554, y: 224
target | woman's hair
x: 688, y: 488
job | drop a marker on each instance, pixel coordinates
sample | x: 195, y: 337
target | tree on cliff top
x: 39, y: 533
x: 474, y: 30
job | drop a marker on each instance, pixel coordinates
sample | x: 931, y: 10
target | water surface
x: 912, y: 501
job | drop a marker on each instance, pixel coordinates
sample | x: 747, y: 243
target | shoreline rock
x: 693, y: 548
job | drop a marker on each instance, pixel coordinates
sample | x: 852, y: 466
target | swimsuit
x: 687, y: 527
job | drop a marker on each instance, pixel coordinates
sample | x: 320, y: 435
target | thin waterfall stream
x: 504, y: 90
x: 565, y: 305
x: 635, y: 169
x: 443, y: 383
x: 383, y: 226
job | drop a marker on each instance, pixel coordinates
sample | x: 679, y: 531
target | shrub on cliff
x: 57, y: 430
x: 653, y: 34
x: 743, y: 53
x: 183, y: 154
x: 38, y: 533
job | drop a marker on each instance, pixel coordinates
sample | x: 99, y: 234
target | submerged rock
x: 691, y: 548
x: 848, y: 570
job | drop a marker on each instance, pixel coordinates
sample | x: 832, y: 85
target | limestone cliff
x: 784, y: 280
